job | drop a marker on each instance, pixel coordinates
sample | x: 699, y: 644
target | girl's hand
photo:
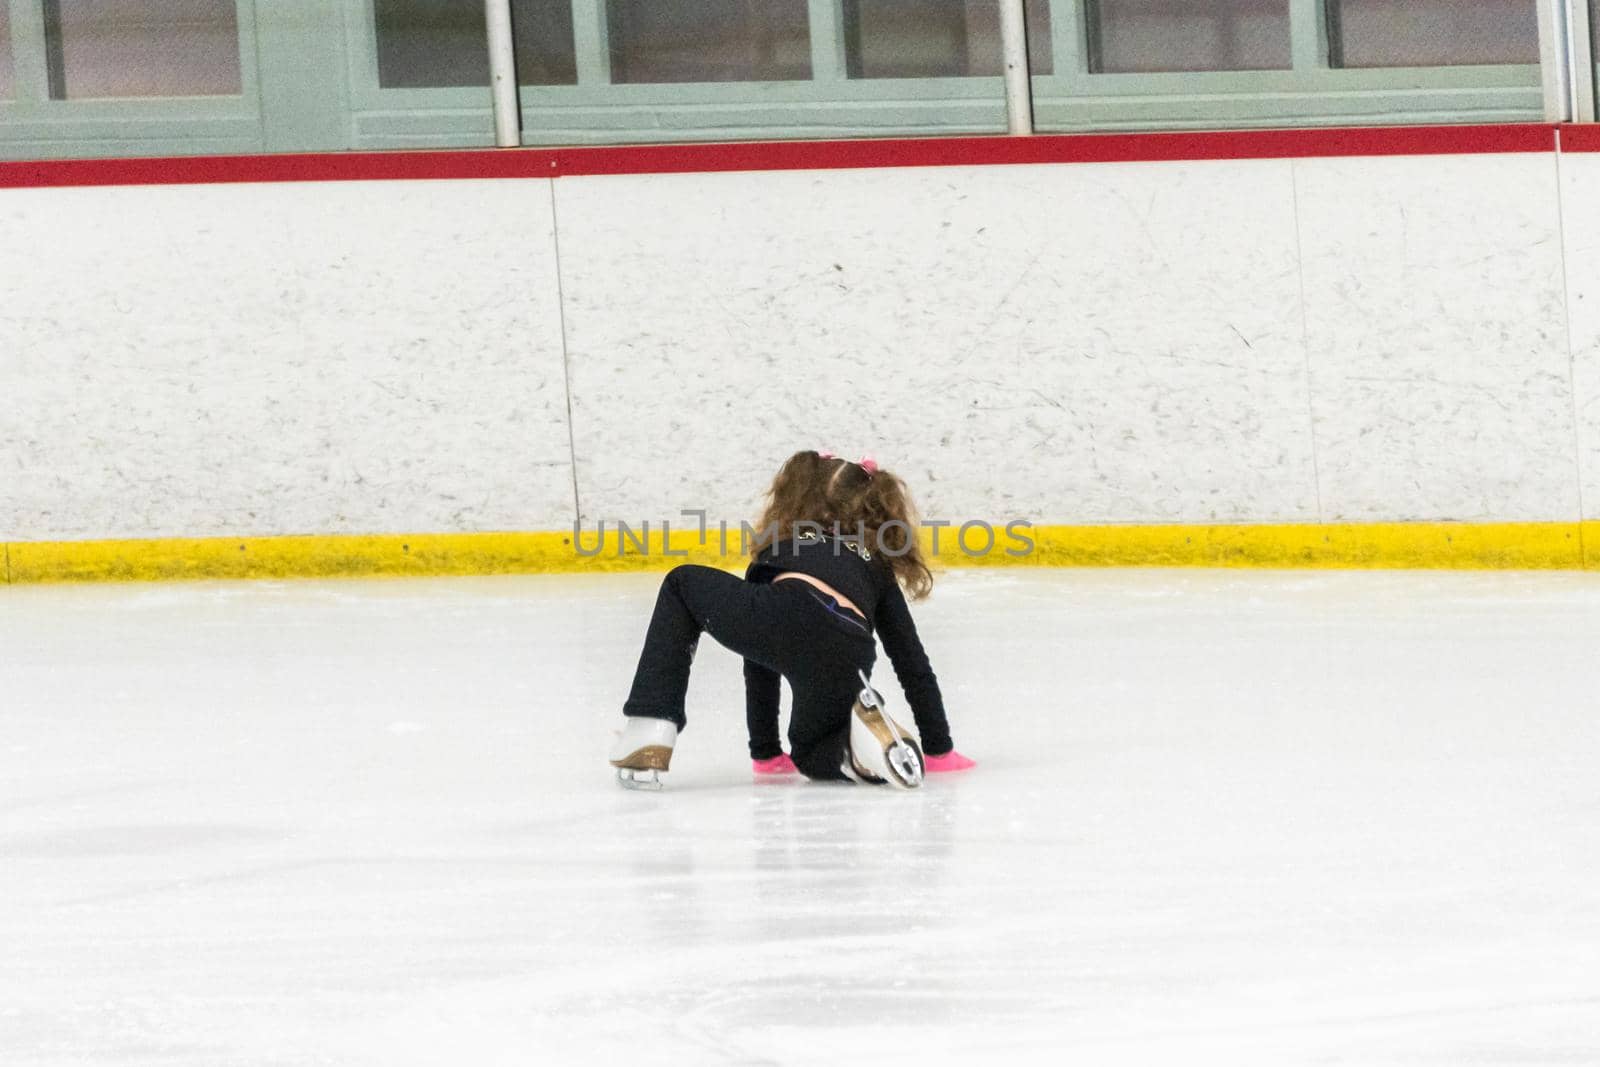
x: 950, y: 761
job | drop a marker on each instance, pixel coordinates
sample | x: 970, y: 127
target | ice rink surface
x: 1220, y: 818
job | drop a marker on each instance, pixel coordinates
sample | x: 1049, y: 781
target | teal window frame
x: 594, y: 111
x: 310, y: 82
x: 1309, y: 93
x: 1071, y: 99
x: 450, y: 117
x: 830, y: 104
x: 34, y: 126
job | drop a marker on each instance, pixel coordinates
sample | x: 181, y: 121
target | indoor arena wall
x: 1345, y: 339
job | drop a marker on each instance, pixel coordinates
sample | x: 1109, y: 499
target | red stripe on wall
x: 329, y: 167
x: 1085, y: 148
x: 791, y: 155
x: 1580, y: 138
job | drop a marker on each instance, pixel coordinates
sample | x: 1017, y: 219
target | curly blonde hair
x: 848, y: 500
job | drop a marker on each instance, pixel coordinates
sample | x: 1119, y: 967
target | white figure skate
x: 643, y: 751
x: 879, y: 748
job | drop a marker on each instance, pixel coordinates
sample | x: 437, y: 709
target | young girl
x: 834, y: 548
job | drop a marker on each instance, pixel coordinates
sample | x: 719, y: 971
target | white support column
x: 1555, y: 59
x: 1581, y: 35
x: 1019, y: 78
x: 503, y: 75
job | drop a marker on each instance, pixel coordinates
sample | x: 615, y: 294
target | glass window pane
x: 709, y: 40
x: 1147, y: 36
x: 105, y: 48
x: 936, y: 38
x: 545, y: 52
x: 435, y: 44
x: 5, y: 53
x: 1432, y: 33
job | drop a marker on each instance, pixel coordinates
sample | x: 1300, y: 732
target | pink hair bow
x: 866, y: 463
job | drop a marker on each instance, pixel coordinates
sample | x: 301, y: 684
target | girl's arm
x: 899, y: 635
x: 761, y: 688
x: 761, y: 691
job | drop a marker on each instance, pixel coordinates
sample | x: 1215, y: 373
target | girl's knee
x: 821, y: 757
x: 684, y: 572
x: 674, y: 579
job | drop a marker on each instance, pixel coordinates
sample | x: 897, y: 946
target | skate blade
x: 905, y: 765
x: 647, y: 779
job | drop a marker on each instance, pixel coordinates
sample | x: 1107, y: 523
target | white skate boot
x: 643, y: 750
x: 880, y: 750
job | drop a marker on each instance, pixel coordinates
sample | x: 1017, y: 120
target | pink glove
x: 776, y: 765
x: 950, y: 761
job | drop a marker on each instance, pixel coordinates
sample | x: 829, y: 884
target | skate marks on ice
x: 725, y: 926
x: 103, y: 842
x: 765, y: 940
x: 1220, y: 818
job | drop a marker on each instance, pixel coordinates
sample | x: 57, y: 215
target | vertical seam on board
x: 1572, y: 355
x: 566, y: 359
x: 1305, y: 334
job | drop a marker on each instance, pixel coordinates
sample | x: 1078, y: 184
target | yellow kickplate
x: 354, y: 555
x: 1519, y: 546
x: 1509, y: 546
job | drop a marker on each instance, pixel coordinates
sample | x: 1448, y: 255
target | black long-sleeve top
x: 871, y: 585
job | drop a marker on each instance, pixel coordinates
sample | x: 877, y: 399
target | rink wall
x: 1337, y: 347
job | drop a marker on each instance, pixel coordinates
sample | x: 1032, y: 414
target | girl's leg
x: 825, y: 690
x: 828, y: 649
x: 692, y: 600
x: 819, y: 727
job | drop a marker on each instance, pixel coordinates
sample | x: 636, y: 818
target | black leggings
x: 787, y: 628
